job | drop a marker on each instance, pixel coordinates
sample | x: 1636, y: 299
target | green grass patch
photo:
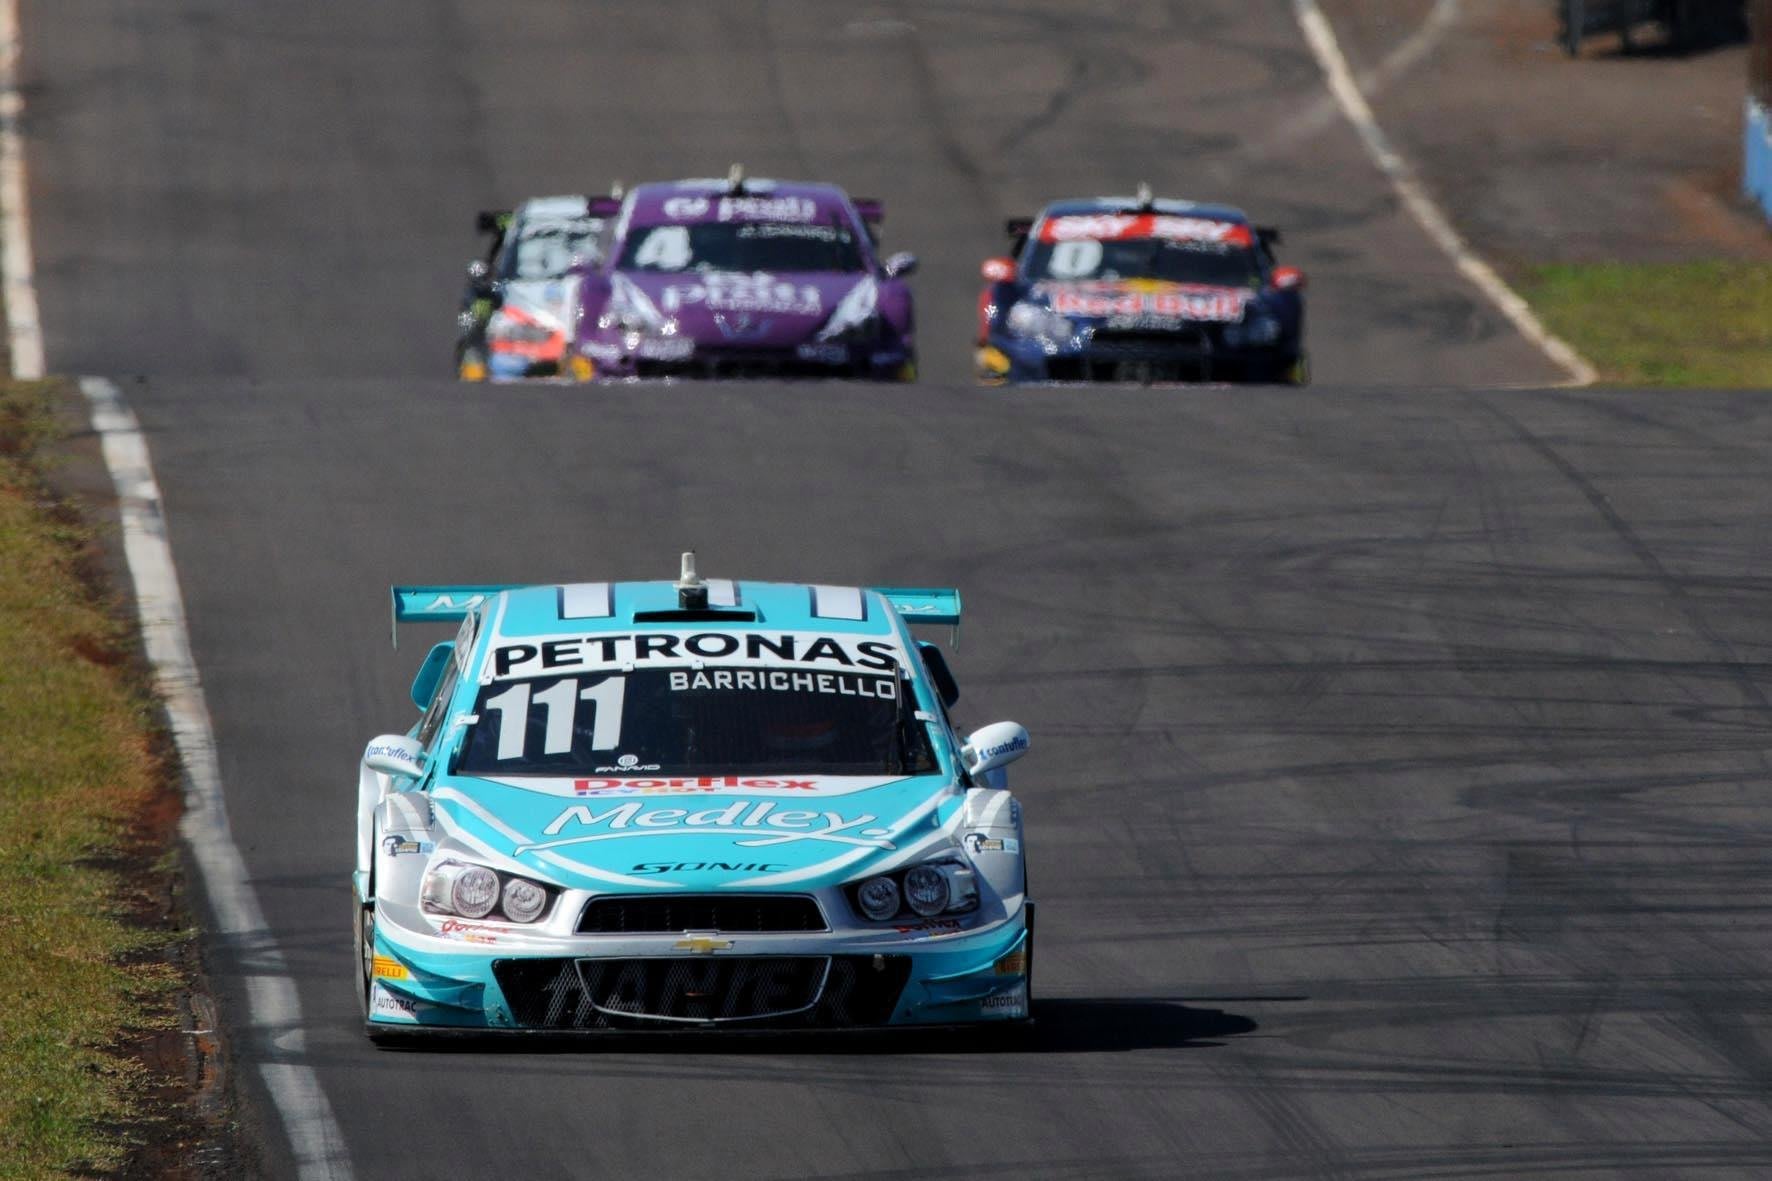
x: 1666, y: 324
x: 78, y: 771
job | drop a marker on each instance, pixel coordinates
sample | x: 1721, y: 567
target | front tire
x: 363, y: 931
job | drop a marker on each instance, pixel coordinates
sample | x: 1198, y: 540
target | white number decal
x: 513, y: 720
x: 608, y: 695
x: 1074, y: 260
x: 561, y: 700
x: 666, y: 248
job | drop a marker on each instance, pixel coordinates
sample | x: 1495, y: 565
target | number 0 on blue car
x: 693, y: 804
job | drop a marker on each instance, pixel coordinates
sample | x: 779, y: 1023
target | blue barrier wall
x: 1756, y: 163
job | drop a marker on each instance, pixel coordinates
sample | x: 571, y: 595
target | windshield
x: 708, y: 720
x: 1220, y: 264
x: 548, y: 251
x: 742, y: 246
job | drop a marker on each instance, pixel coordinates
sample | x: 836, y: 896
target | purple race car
x: 744, y: 278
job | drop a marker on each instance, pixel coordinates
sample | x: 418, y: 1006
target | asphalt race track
x: 1398, y: 802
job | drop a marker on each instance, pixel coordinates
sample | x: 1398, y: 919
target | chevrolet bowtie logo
x: 701, y: 944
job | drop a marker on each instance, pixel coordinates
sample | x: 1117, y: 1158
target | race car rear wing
x: 603, y: 206
x: 493, y: 221
x: 926, y: 604
x: 1270, y: 236
x: 441, y: 604
x: 872, y: 209
x: 451, y: 603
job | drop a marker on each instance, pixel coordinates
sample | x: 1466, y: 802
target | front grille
x: 761, y: 992
x: 1147, y: 342
x: 752, y: 913
x: 1140, y: 355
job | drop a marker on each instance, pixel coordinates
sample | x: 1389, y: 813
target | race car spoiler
x: 451, y: 603
x: 924, y: 604
x: 441, y: 604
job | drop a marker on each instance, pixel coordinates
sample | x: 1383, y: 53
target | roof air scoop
x: 1144, y: 195
x: 735, y: 179
x: 692, y: 590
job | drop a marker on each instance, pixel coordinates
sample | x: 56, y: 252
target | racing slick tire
x: 363, y: 934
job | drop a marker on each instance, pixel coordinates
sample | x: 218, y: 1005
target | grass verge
x: 80, y: 861
x: 1662, y: 324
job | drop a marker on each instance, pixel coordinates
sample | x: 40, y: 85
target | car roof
x: 555, y: 208
x: 1166, y: 205
x: 733, y: 605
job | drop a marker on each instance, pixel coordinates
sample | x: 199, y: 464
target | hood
x: 537, y: 301
x: 1143, y: 300
x: 757, y: 309
x: 699, y: 834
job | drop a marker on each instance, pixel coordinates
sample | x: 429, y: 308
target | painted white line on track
x: 1405, y: 56
x: 1420, y: 205
x: 274, y: 1008
x: 16, y: 280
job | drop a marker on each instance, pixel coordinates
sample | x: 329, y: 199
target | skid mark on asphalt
x: 1674, y: 585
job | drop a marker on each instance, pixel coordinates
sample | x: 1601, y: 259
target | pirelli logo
x: 388, y: 968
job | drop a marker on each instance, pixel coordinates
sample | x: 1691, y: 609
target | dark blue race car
x: 1144, y: 290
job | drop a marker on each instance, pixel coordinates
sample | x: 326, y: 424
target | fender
x: 403, y: 841
x: 990, y: 831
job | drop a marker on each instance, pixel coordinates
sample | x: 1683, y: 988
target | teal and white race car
x: 701, y: 804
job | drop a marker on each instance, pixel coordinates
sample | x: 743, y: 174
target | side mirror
x: 396, y: 755
x: 1288, y: 279
x: 424, y: 685
x: 478, y: 271
x: 996, y: 745
x: 901, y: 264
x: 998, y: 270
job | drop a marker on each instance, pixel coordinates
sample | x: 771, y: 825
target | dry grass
x: 77, y: 770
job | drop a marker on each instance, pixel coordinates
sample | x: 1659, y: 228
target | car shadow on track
x: 1066, y: 1025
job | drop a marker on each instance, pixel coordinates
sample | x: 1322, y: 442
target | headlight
x: 926, y: 890
x: 935, y: 887
x: 1030, y: 319
x: 855, y: 316
x: 474, y: 891
x: 878, y: 898
x: 524, y: 900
